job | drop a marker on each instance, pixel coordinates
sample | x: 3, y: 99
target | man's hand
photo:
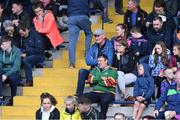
x: 4, y: 77
x: 16, y: 22
x: 156, y: 113
x: 23, y: 55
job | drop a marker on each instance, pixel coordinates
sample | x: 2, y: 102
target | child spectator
x: 143, y: 90
x: 47, y: 111
x: 71, y: 111
x: 125, y: 62
x: 158, y: 61
x: 121, y: 30
x: 174, y: 62
x: 169, y: 74
x: 148, y: 117
x: 138, y: 42
x: 119, y: 116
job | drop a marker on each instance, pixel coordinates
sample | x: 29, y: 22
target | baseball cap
x: 99, y: 32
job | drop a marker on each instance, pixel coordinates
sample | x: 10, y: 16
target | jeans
x: 29, y: 62
x: 104, y: 99
x: 82, y: 76
x: 75, y: 24
x: 118, y: 5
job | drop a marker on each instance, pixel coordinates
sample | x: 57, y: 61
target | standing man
x: 78, y: 19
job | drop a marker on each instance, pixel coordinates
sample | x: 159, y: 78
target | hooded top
x: 144, y: 85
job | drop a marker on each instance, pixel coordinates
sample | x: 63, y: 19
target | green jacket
x: 10, y: 62
x: 103, y: 80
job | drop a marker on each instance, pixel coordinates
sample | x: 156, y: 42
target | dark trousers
x: 158, y: 81
x: 13, y: 80
x: 104, y: 99
x: 82, y: 77
x: 118, y: 5
x: 1, y: 73
x: 29, y: 62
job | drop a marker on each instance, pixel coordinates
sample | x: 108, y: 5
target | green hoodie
x: 10, y: 62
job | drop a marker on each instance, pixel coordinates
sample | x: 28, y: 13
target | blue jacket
x: 92, y: 55
x: 34, y: 43
x: 139, y: 45
x: 78, y: 7
x: 172, y: 97
x: 144, y: 84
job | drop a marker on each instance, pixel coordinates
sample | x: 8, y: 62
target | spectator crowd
x: 144, y: 54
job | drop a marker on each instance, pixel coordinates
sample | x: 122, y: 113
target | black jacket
x: 54, y: 115
x: 140, y: 19
x: 92, y: 114
x: 126, y: 63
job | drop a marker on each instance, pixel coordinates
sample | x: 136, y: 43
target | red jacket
x: 49, y: 28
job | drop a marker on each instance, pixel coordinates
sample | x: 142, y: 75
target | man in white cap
x: 101, y: 46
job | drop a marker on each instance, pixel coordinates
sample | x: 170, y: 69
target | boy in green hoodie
x: 10, y: 62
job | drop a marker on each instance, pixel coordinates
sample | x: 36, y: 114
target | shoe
x: 28, y: 84
x: 2, y: 99
x: 109, y: 21
x: 72, y: 66
x: 10, y: 102
x: 47, y: 54
x: 120, y: 12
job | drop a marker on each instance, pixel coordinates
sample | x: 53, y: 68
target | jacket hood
x: 146, y: 69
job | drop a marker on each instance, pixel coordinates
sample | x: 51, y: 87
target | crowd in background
x: 144, y: 54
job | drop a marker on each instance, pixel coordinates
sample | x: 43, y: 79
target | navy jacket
x: 92, y: 55
x: 34, y: 43
x: 139, y: 45
x: 165, y: 35
x: 78, y: 7
x: 140, y: 19
x: 144, y: 84
x: 172, y: 97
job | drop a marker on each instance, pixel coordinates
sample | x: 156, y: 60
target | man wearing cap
x: 101, y: 46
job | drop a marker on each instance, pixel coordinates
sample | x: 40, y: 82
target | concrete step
x: 54, y: 81
x: 33, y: 101
x: 17, y: 117
x: 56, y: 91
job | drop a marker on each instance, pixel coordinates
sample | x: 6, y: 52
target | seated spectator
x: 168, y: 81
x: 143, y: 90
x: 160, y: 31
x: 172, y: 98
x: 10, y: 31
x: 101, y: 46
x: 32, y: 51
x: 103, y: 78
x: 158, y: 61
x: 50, y: 5
x: 174, y: 62
x: 48, y: 110
x: 138, y: 43
x: 71, y: 111
x: 135, y: 16
x: 45, y: 24
x: 3, y: 17
x: 121, y: 31
x: 125, y: 62
x: 10, y: 62
x: 119, y: 116
x: 87, y: 111
x: 159, y: 10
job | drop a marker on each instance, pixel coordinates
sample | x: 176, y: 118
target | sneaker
x: 72, y: 65
x: 10, y: 102
x: 109, y: 21
x: 2, y: 99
